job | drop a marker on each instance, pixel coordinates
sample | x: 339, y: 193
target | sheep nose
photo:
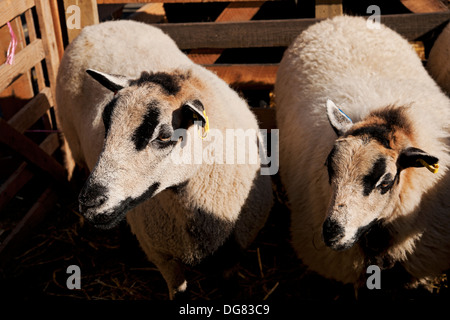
x: 331, y: 231
x: 91, y: 196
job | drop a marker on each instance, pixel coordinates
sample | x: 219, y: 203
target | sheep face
x: 365, y: 168
x: 135, y: 163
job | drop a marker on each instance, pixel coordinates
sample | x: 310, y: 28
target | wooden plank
x: 23, y: 61
x: 32, y: 35
x: 57, y: 27
x: 280, y: 33
x: 244, y: 76
x: 414, y: 26
x: 150, y: 13
x: 88, y: 15
x: 9, y: 9
x: 328, y: 8
x: 24, y: 172
x: 32, y: 218
x: 18, y: 93
x: 235, y: 11
x: 47, y: 29
x: 31, y: 152
x: 240, y: 11
x: 172, y: 1
x: 32, y: 111
x: 424, y: 6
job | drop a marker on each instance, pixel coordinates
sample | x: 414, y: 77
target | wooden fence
x: 27, y: 87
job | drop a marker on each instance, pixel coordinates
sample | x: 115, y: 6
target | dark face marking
x: 371, y: 179
x: 169, y: 83
x: 379, y: 133
x: 393, y: 119
x: 107, y: 114
x: 329, y: 164
x: 144, y: 132
x: 110, y: 220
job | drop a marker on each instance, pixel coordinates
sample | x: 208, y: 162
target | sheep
x: 124, y: 92
x: 438, y: 64
x: 359, y: 117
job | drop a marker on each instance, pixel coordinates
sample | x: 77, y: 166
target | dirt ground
x: 113, y: 267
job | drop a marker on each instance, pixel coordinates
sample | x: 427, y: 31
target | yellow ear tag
x: 432, y: 168
x: 206, y: 129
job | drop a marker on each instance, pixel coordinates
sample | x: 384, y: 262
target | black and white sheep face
x: 135, y: 163
x: 364, y: 180
x: 366, y: 171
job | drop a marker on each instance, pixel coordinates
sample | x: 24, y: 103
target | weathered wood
x: 23, y: 61
x: 31, y: 152
x: 235, y: 11
x: 32, y: 218
x: 88, y: 15
x: 57, y: 27
x: 32, y: 35
x: 47, y: 29
x: 32, y: 111
x: 150, y: 13
x: 328, y: 8
x: 24, y: 172
x: 9, y: 9
x: 424, y: 6
x: 280, y: 33
x: 18, y: 93
x: 173, y: 1
x: 256, y: 76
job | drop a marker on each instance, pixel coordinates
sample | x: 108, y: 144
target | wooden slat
x: 47, y: 29
x: 235, y: 11
x: 328, y: 8
x: 280, y: 33
x: 173, y: 1
x: 31, y: 152
x: 57, y: 27
x: 24, y: 173
x: 9, y: 9
x: 243, y: 76
x: 32, y: 218
x: 17, y: 94
x: 424, y: 6
x: 32, y: 111
x: 89, y: 15
x: 32, y: 35
x: 23, y: 61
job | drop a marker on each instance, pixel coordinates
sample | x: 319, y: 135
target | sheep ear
x: 196, y: 106
x: 109, y: 81
x: 415, y: 158
x: 338, y: 119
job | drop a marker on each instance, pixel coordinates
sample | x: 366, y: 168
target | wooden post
x: 88, y: 15
x: 328, y: 8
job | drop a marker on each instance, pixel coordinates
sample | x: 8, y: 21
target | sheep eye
x: 164, y: 138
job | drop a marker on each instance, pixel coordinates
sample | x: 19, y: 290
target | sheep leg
x: 172, y: 271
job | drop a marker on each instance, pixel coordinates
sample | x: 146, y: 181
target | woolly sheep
x: 438, y: 63
x: 361, y: 198
x: 188, y: 211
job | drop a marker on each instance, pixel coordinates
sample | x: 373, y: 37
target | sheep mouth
x: 111, y: 218
x: 108, y: 220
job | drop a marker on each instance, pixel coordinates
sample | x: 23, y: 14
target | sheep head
x: 140, y: 122
x: 365, y: 169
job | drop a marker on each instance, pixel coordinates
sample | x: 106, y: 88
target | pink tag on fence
x: 12, y: 46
